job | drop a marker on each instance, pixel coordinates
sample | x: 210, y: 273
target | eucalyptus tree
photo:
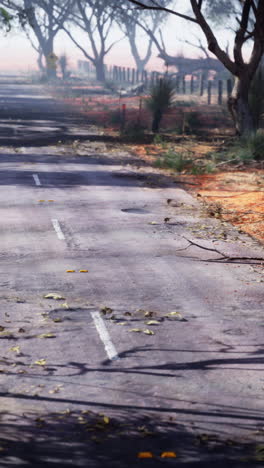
x: 247, y: 21
x: 96, y: 19
x: 41, y: 21
x: 134, y: 24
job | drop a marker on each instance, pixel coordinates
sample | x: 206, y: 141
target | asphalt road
x: 92, y: 388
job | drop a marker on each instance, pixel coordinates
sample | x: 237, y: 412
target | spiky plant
x: 159, y: 101
x: 63, y: 62
x: 256, y: 97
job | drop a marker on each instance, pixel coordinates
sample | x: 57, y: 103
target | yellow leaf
x: 136, y: 330
x: 175, y: 315
x: 47, y: 335
x: 148, y: 332
x: 40, y: 362
x: 168, y: 455
x: 149, y: 313
x: 152, y: 322
x: 145, y: 455
x: 83, y: 271
x: 121, y: 323
x: 55, y: 296
x: 70, y: 271
x: 57, y: 320
x: 153, y: 222
x: 16, y: 349
x: 106, y: 420
x: 65, y: 305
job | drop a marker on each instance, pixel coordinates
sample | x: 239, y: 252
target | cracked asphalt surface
x: 195, y: 386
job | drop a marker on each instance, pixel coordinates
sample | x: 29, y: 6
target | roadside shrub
x: 247, y: 148
x: 133, y: 131
x: 191, y: 122
x: 159, y: 101
x: 173, y: 160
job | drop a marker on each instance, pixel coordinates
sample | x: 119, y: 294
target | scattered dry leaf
x: 152, y: 322
x: 47, y: 335
x: 148, y: 332
x: 145, y: 455
x: 15, y: 349
x: 55, y: 296
x: 168, y: 455
x: 40, y: 362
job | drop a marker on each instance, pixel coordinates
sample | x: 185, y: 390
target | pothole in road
x: 135, y: 210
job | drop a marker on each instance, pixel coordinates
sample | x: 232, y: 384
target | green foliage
x: 5, y: 19
x: 173, y: 160
x: 134, y: 131
x: 64, y: 63
x: 157, y: 140
x: 191, y: 122
x: 247, y: 148
x: 256, y: 96
x: 161, y: 96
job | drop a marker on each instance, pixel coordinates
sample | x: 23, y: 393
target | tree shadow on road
x: 112, y: 438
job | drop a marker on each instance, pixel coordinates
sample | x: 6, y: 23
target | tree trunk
x: 100, y: 70
x: 238, y: 106
x: 156, y: 121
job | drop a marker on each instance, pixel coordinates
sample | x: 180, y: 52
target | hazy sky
x: 17, y: 53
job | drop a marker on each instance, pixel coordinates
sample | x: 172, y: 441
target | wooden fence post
x: 183, y: 84
x: 192, y: 85
x: 220, y: 92
x: 178, y: 84
x: 209, y: 91
x: 202, y: 84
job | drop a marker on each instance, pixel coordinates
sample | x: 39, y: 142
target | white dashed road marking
x: 104, y: 335
x: 36, y: 179
x: 57, y: 228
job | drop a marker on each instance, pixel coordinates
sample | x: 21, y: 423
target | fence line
x: 198, y: 83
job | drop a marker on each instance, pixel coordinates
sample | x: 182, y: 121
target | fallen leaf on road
x: 136, y: 330
x: 47, y: 335
x: 56, y: 389
x: 168, y: 455
x: 153, y: 222
x: 40, y: 362
x: 65, y: 305
x: 175, y: 315
x: 145, y: 455
x: 149, y: 313
x: 148, y: 332
x: 55, y: 296
x: 57, y: 320
x: 152, y: 322
x: 16, y: 349
x: 121, y: 323
x: 106, y: 420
